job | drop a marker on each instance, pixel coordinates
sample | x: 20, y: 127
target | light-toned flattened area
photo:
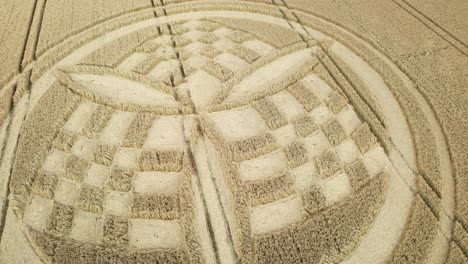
x: 222, y: 132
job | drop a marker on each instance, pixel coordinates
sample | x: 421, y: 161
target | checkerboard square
x: 314, y: 200
x: 117, y: 203
x: 316, y: 143
x: 285, y: 135
x: 347, y: 151
x: 328, y: 164
x: 115, y: 230
x: 75, y: 168
x: 55, y: 162
x: 66, y: 192
x: 37, y: 212
x: 61, y: 219
x: 304, y: 125
x: 296, y: 154
x: 87, y: 227
x: 44, y: 184
x: 121, y: 179
x: 336, y: 188
x: 336, y: 102
x: 321, y: 114
x: 364, y: 138
x: 90, y: 199
x: 306, y: 175
x: 97, y: 174
x: 127, y: 158
x: 83, y: 148
x: 334, y: 132
x: 357, y: 173
x: 104, y: 154
x: 157, y: 182
x: 64, y: 140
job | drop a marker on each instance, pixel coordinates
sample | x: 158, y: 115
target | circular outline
x: 434, y: 124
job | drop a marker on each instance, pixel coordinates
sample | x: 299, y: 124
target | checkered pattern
x: 192, y: 46
x: 319, y: 142
x: 111, y: 184
x: 93, y: 187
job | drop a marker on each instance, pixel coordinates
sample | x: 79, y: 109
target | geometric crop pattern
x: 175, y: 143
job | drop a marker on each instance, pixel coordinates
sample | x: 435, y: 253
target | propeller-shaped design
x: 133, y: 163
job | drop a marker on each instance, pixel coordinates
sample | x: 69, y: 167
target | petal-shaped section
x: 123, y: 90
x: 269, y: 75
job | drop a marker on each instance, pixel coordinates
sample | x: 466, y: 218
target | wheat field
x: 254, y: 131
